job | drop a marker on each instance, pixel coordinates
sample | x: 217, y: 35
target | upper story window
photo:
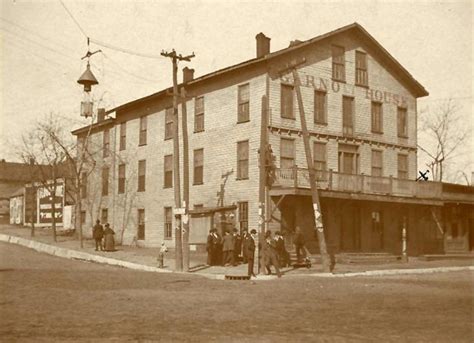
x: 402, y: 120
x: 361, y: 77
x: 141, y: 175
x: 105, y: 181
x: 168, y: 223
x: 243, y: 160
x: 320, y: 107
x: 143, y: 128
x: 402, y: 166
x: 121, y: 179
x: 348, y: 159
x: 169, y: 123
x: 338, y: 63
x: 104, y: 217
x: 347, y: 116
x: 377, y: 163
x: 198, y: 167
x: 287, y: 153
x: 106, y: 143
x: 320, y: 159
x: 243, y: 106
x: 123, y: 135
x: 287, y: 101
x: 168, y: 166
x: 199, y: 114
x: 141, y: 224
x: 377, y: 117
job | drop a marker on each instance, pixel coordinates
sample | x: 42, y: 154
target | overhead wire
x: 74, y: 19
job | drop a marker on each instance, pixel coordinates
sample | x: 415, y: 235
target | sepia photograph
x: 236, y: 171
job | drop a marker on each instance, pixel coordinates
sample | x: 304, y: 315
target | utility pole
x: 318, y: 221
x: 176, y: 179
x: 262, y: 180
x: 184, y: 118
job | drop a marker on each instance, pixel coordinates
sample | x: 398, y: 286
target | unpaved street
x: 44, y: 298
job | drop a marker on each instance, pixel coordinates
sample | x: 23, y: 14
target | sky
x: 42, y: 47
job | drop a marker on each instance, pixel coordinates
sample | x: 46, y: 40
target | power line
x: 125, y: 51
x: 75, y: 21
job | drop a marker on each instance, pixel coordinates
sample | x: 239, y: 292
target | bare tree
x: 442, y: 134
x: 47, y: 160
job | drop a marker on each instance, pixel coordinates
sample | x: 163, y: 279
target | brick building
x: 361, y: 110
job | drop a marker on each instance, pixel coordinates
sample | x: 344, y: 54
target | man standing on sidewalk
x: 249, y: 247
x: 98, y: 234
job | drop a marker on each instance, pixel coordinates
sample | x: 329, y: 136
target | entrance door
x: 377, y: 234
x: 350, y: 228
x: 471, y: 234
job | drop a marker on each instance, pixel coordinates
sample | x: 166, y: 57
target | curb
x: 83, y: 256
x: 77, y: 255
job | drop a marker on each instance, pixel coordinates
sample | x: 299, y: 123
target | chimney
x: 263, y: 45
x: 472, y: 178
x: 188, y: 74
x: 295, y: 42
x: 100, y: 114
x: 32, y: 161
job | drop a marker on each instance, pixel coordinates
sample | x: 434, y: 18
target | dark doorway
x: 350, y: 228
x: 377, y: 232
x: 471, y: 234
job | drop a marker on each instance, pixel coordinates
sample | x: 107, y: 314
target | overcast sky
x: 42, y: 47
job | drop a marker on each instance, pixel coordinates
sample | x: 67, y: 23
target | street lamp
x: 87, y: 79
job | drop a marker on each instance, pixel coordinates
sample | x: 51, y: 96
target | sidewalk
x: 146, y: 257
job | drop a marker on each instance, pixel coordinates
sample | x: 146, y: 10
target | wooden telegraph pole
x: 326, y: 262
x: 262, y: 182
x: 184, y: 120
x: 176, y: 179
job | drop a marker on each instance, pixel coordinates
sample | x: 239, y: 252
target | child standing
x: 161, y: 255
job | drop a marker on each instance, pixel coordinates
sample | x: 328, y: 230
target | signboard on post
x: 179, y: 211
x: 45, y: 204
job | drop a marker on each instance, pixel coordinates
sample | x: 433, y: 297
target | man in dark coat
x: 228, y: 249
x: 299, y: 245
x: 237, y: 246
x: 270, y: 254
x: 283, y: 255
x: 245, y: 238
x: 210, y: 248
x: 249, y: 247
x: 98, y: 234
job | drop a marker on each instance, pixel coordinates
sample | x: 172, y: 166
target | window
x: 243, y: 106
x: 121, y: 179
x: 104, y: 216
x: 141, y: 225
x: 320, y: 107
x: 243, y: 215
x: 402, y: 122
x: 287, y: 101
x: 143, y: 126
x: 141, y: 175
x: 348, y: 159
x: 106, y: 141
x: 361, y: 77
x: 338, y: 63
x: 83, y: 217
x: 168, y: 223
x: 377, y: 117
x: 347, y: 116
x: 319, y: 159
x: 242, y: 160
x: 402, y: 166
x: 105, y: 181
x: 287, y: 153
x: 84, y: 185
x: 168, y: 182
x: 199, y: 114
x: 169, y: 123
x: 123, y: 136
x: 377, y: 162
x: 198, y: 167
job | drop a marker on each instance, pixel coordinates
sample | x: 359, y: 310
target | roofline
x: 421, y: 91
x: 93, y: 126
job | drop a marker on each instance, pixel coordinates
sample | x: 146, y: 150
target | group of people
x: 233, y: 248
x: 106, y: 235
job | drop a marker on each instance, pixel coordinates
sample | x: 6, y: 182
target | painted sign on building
x: 45, y: 204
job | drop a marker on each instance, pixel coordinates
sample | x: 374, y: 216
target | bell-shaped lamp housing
x: 87, y: 79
